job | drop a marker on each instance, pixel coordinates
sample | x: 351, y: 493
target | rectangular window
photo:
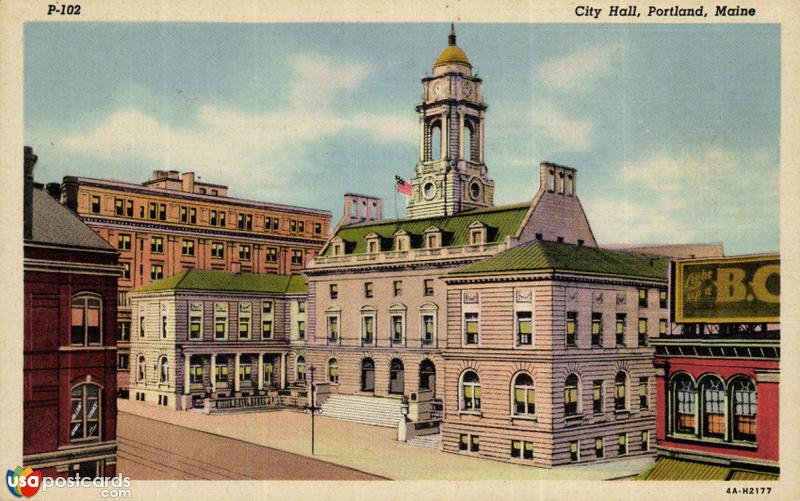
x: 662, y: 327
x: 301, y: 329
x: 276, y: 223
x: 119, y: 207
x: 266, y: 320
x: 217, y: 250
x: 297, y: 257
x: 620, y: 329
x: 642, y: 298
x: 398, y: 327
x: 188, y: 248
x: 123, y: 361
x: 333, y: 329
x: 317, y: 228
x: 222, y: 218
x: 184, y: 214
x: 367, y: 329
x: 157, y: 244
x: 524, y: 328
x: 196, y: 373
x: 244, y: 252
x: 469, y: 443
x: 164, y: 326
x: 192, y: 216
x: 397, y: 287
x: 220, y: 323
x: 428, y: 287
x: 597, y: 397
x: 267, y: 223
x: 574, y: 451
x: 571, y: 327
x: 244, y: 221
x: 293, y: 225
x: 597, y: 329
x: 334, y: 291
x: 244, y: 327
x: 212, y: 218
x: 124, y: 242
x: 196, y: 325
x: 124, y: 331
x: 521, y: 449
x: 162, y: 212
x: 470, y: 328
x: 141, y: 326
x: 428, y: 328
x: 623, y: 444
x: 126, y: 271
x: 156, y: 272
x: 645, y: 441
x: 95, y: 204
x: 301, y: 306
x: 272, y: 254
x: 642, y: 332
x: 222, y: 373
x: 367, y: 289
x: 129, y: 208
x: 662, y: 298
x: 301, y: 226
x: 644, y: 393
x: 599, y: 451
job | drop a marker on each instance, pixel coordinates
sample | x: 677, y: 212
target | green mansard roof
x: 499, y: 221
x: 223, y: 281
x: 546, y: 256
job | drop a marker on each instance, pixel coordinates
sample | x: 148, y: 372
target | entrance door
x: 427, y: 376
x: 396, y: 377
x: 367, y: 375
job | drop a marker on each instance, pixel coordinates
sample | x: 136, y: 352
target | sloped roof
x: 52, y: 223
x: 500, y: 222
x: 224, y: 281
x: 540, y: 256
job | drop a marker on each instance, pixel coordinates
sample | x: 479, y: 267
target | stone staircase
x: 426, y: 441
x: 375, y: 411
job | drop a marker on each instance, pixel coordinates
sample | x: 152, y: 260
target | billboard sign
x: 727, y: 290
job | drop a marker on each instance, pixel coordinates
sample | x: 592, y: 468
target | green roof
x: 500, y: 222
x: 224, y: 281
x: 539, y: 256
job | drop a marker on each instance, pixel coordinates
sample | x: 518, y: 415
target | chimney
x: 27, y: 196
x: 54, y: 190
x: 361, y: 209
x: 557, y: 179
x: 187, y: 180
x: 158, y: 174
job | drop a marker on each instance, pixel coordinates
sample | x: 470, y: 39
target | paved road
x: 155, y: 450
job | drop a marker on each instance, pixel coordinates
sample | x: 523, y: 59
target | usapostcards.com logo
x: 23, y: 481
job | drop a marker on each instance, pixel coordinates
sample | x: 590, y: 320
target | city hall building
x: 217, y: 340
x: 175, y: 222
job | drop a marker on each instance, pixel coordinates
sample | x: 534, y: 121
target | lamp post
x: 312, y: 407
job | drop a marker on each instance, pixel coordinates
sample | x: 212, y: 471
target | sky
x: 674, y: 129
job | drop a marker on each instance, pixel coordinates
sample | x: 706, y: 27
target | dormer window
x: 373, y: 243
x: 477, y: 233
x: 433, y: 238
x: 372, y: 247
x: 402, y: 241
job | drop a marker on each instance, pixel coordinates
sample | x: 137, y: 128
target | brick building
x: 69, y: 372
x: 547, y: 359
x: 215, y: 339
x: 173, y: 222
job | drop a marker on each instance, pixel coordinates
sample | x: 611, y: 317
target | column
x: 421, y: 137
x: 461, y: 145
x: 214, y: 372
x: 283, y: 370
x: 445, y: 134
x: 236, y: 373
x: 186, y: 367
x: 260, y: 371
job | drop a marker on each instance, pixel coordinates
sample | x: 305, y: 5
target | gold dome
x: 452, y: 54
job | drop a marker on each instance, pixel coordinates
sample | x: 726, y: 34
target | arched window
x: 163, y: 370
x: 141, y: 369
x: 684, y: 400
x: 333, y: 371
x: 86, y: 319
x: 524, y: 395
x: 470, y: 391
x: 367, y: 375
x: 571, y: 395
x: 713, y: 421
x: 84, y: 422
x: 620, y: 391
x: 436, y: 141
x: 396, y: 376
x: 301, y: 369
x: 469, y: 153
x: 745, y: 409
x: 427, y: 375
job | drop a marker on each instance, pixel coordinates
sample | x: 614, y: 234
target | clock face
x: 438, y: 89
x: 474, y: 191
x: 429, y: 190
x: 467, y: 89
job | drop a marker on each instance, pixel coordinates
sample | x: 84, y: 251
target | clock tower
x: 451, y: 175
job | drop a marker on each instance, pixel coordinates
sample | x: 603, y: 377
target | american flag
x: 403, y: 186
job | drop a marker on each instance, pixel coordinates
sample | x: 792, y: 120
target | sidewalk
x: 368, y: 448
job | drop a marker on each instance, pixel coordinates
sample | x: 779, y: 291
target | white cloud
x: 574, y: 73
x: 568, y: 134
x: 227, y: 143
x: 689, y: 196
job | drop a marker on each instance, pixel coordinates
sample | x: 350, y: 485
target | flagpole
x: 395, y: 202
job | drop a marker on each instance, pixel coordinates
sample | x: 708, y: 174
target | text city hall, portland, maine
x: 660, y: 11
x: 496, y: 331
